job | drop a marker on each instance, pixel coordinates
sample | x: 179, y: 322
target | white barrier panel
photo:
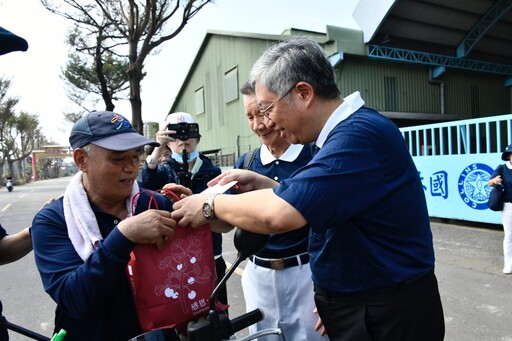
x: 456, y: 185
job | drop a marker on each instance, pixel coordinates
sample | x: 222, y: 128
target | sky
x: 35, y: 74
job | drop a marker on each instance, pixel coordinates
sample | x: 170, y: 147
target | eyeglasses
x: 265, y: 111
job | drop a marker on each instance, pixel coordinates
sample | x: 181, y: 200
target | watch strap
x: 210, y: 200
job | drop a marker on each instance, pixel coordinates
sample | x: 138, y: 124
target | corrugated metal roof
x: 479, y: 29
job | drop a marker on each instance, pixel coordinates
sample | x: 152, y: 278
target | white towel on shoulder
x: 83, y: 229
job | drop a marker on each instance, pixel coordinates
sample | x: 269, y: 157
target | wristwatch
x: 208, y: 209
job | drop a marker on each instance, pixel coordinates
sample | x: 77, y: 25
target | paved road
x: 477, y: 297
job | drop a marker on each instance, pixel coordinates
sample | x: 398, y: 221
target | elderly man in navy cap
x: 83, y: 240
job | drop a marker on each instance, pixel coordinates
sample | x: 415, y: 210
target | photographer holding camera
x: 186, y: 167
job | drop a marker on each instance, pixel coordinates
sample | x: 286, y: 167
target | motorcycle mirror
x: 248, y: 243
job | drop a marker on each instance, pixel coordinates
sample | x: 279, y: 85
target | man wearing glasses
x: 370, y: 247
x: 278, y: 278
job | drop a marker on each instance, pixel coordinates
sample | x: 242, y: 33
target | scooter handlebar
x: 247, y: 319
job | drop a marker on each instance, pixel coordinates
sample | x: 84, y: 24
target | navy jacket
x: 155, y: 179
x: 93, y: 298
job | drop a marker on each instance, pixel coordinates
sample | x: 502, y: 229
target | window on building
x: 219, y: 78
x: 231, y: 85
x: 199, y: 99
x: 390, y: 94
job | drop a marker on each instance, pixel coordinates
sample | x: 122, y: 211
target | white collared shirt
x: 289, y: 155
x: 350, y: 104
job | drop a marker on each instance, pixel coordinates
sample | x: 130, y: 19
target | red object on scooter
x: 172, y: 286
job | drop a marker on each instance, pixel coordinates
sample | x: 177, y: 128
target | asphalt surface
x: 477, y: 297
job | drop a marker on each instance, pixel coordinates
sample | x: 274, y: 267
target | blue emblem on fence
x: 472, y: 184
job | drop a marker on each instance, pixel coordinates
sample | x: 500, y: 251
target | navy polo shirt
x: 94, y: 299
x: 3, y: 232
x: 362, y: 196
x: 293, y: 242
x: 506, y: 181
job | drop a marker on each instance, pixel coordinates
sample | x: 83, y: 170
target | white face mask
x: 179, y: 157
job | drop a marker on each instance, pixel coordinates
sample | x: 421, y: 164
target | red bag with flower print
x: 172, y: 286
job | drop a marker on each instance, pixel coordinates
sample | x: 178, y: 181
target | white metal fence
x: 455, y: 161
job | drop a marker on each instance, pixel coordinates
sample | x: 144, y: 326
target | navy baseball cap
x: 107, y: 130
x: 504, y: 155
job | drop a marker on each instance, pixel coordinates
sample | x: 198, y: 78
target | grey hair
x: 286, y: 63
x: 89, y: 149
x: 247, y: 88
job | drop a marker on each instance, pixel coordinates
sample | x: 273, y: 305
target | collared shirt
x: 290, y: 155
x: 350, y: 104
x: 296, y: 156
x: 363, y: 198
x: 94, y: 300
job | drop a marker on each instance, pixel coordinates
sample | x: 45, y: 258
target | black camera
x: 184, y: 130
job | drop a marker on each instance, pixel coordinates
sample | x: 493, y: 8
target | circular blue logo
x: 472, y: 184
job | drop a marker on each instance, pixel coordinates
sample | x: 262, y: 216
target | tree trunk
x: 21, y: 169
x: 10, y: 164
x: 107, y: 98
x: 2, y: 180
x: 135, y: 99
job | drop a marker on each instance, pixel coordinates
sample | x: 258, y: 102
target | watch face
x: 207, y: 210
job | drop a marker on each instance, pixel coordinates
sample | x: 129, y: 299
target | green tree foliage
x: 92, y: 73
x: 23, y: 135
x: 130, y: 29
x: 19, y: 133
x: 73, y: 116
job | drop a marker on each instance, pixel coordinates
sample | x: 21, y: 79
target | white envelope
x: 220, y: 188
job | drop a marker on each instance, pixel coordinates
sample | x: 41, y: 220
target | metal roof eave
x: 488, y: 20
x: 417, y: 57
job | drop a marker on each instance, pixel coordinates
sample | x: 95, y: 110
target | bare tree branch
x: 131, y: 29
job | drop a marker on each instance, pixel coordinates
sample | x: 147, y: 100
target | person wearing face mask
x: 155, y: 174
